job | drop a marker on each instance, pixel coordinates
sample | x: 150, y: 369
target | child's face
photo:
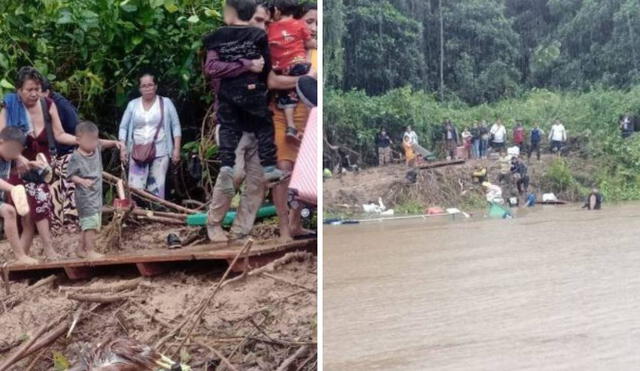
x: 10, y: 150
x: 88, y: 142
x: 230, y: 15
x: 261, y: 18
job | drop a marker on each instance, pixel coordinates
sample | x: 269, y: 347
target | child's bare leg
x: 10, y: 217
x: 289, y: 116
x: 28, y: 231
x: 45, y: 236
x: 81, y: 251
x: 89, y: 241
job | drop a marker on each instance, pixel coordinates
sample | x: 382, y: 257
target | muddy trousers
x: 384, y: 155
x: 249, y: 169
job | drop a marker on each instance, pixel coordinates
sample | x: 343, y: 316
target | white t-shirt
x: 413, y: 137
x: 145, y: 123
x: 558, y: 133
x: 499, y: 133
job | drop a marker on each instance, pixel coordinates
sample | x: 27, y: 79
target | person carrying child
x: 85, y: 171
x: 289, y: 40
x: 241, y: 100
x: 12, y: 142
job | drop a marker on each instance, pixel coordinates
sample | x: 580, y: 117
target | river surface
x: 557, y: 288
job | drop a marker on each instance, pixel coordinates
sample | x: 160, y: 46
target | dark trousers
x: 235, y: 119
x: 556, y: 146
x: 534, y: 147
x: 522, y: 184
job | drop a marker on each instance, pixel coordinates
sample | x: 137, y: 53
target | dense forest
x: 489, y: 49
x: 393, y: 63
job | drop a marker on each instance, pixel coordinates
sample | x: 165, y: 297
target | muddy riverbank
x: 555, y: 288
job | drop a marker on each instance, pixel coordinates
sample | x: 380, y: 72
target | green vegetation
x: 93, y: 50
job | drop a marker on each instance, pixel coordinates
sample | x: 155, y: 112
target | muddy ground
x: 450, y: 186
x: 256, y: 322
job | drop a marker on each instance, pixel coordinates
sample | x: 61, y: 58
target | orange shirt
x: 287, y: 40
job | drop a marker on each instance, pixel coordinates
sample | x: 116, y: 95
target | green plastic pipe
x: 200, y: 219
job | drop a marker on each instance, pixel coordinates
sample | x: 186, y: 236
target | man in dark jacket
x: 450, y: 137
x: 67, y: 112
x: 383, y: 143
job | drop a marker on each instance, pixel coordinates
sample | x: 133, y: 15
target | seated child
x: 289, y: 39
x: 12, y: 141
x: 242, y: 103
x: 85, y: 170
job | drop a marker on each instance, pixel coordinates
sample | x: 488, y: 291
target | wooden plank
x: 153, y: 261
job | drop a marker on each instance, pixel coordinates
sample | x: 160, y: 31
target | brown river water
x: 556, y: 288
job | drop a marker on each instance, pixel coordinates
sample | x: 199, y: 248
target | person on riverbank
x: 594, y: 200
x: 498, y: 135
x: 626, y: 126
x: 475, y: 140
x: 409, y: 153
x: 557, y: 137
x: 519, y: 136
x: 519, y: 172
x: 504, y: 167
x: 38, y: 119
x: 383, y: 143
x: 150, y: 120
x: 247, y: 168
x: 484, y: 139
x: 467, y: 139
x: 413, y: 137
x: 450, y: 139
x: 535, y: 139
x: 85, y: 171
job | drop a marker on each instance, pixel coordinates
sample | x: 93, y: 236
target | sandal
x: 173, y: 241
x: 19, y: 198
x: 292, y: 134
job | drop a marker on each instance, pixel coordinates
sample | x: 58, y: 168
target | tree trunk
x: 441, y: 52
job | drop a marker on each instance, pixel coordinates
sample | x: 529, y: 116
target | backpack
x: 535, y: 136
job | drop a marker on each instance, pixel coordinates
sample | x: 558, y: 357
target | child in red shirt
x: 289, y: 40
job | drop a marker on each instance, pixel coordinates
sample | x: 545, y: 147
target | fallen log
x: 287, y: 362
x: 98, y: 298
x: 160, y: 219
x: 112, y: 179
x: 437, y: 164
x: 116, y: 287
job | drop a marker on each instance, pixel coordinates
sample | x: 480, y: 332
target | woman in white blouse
x: 151, y: 118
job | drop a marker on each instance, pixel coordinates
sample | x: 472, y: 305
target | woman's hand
x: 175, y: 157
x: 85, y: 183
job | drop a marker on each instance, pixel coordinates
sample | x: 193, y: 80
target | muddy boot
x: 273, y: 175
x: 225, y: 179
x: 216, y: 233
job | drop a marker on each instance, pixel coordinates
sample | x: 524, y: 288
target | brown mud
x: 257, y: 322
x: 450, y: 186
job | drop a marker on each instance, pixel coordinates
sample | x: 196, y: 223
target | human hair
x: 86, y: 127
x: 150, y: 74
x: 245, y: 8
x: 13, y: 134
x: 46, y: 84
x: 287, y: 7
x: 306, y: 7
x: 28, y: 73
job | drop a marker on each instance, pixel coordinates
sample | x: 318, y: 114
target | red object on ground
x: 304, y: 182
x: 435, y: 211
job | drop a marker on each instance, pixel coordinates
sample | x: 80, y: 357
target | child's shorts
x: 91, y: 222
x: 289, y: 98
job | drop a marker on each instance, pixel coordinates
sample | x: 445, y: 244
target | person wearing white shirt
x: 499, y: 135
x: 413, y: 137
x: 557, y: 136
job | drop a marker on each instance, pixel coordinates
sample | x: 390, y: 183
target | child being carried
x: 289, y: 39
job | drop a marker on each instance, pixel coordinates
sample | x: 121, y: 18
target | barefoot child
x: 241, y: 100
x: 289, y: 39
x: 12, y: 141
x: 85, y: 170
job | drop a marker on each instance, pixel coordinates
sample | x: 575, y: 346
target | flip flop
x: 19, y: 197
x: 173, y: 241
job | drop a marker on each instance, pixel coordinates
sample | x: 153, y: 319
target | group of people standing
x: 49, y: 158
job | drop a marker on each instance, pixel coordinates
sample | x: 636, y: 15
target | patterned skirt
x: 64, y: 216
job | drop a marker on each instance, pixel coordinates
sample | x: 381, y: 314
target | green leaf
x: 128, y: 7
x: 65, y: 17
x: 6, y: 84
x: 60, y: 362
x: 212, y: 13
x: 4, y: 63
x: 156, y: 3
x: 170, y: 5
x: 193, y: 19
